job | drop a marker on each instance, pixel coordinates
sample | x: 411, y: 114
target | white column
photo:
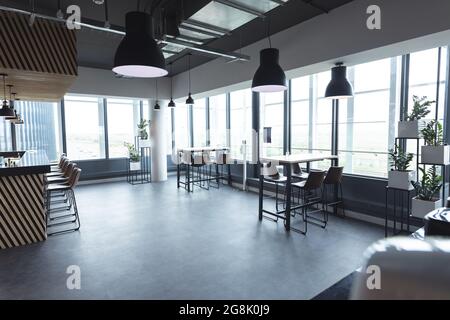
x: 159, y: 142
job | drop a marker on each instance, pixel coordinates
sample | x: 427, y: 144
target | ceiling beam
x: 220, y: 31
x: 205, y: 32
x: 241, y: 7
x: 310, y: 2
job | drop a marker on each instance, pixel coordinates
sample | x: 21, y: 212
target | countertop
x: 31, y: 162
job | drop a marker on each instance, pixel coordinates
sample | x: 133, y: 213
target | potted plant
x: 414, y: 123
x: 400, y: 176
x: 434, y: 151
x: 134, y: 157
x: 427, y: 189
x: 144, y: 140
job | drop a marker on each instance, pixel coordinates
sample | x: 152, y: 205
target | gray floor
x: 157, y: 242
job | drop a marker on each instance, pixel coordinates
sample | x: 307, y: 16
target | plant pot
x: 410, y: 129
x: 135, y: 166
x: 401, y: 179
x: 144, y: 143
x: 420, y: 208
x: 439, y: 155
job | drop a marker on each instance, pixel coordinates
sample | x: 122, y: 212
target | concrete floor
x: 156, y: 242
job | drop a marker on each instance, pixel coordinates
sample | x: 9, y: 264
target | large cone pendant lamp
x: 5, y: 111
x: 339, y: 87
x: 269, y: 77
x: 138, y: 54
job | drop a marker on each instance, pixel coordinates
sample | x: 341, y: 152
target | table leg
x: 408, y: 211
x: 386, y: 215
x: 178, y: 176
x: 261, y: 193
x: 188, y: 178
x: 444, y: 178
x: 288, y: 197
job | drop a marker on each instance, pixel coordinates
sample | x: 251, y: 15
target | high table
x: 287, y: 162
x: 22, y: 209
x: 192, y: 150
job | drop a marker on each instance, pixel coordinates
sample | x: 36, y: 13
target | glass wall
x: 123, y: 117
x: 241, y: 123
x: 5, y: 135
x: 181, y: 130
x: 218, y: 120
x: 301, y: 114
x: 272, y: 116
x: 199, y: 122
x: 85, y: 132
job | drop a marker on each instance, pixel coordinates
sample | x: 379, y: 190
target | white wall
x: 102, y: 82
x: 315, y: 45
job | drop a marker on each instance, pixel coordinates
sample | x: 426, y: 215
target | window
x: 182, y: 134
x: 218, y: 120
x: 301, y: 110
x: 5, y: 135
x: 272, y: 116
x: 199, y: 122
x: 41, y: 128
x: 241, y: 123
x: 367, y: 123
x: 123, y: 116
x: 84, y: 127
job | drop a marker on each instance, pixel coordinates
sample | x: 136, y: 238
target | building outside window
x: 123, y: 117
x: 199, y: 122
x: 272, y: 116
x: 218, y: 120
x: 85, y: 132
x: 241, y: 123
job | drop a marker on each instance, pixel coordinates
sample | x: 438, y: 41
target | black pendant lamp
x: 157, y: 107
x: 189, y: 100
x: 138, y: 54
x: 5, y: 111
x: 270, y: 76
x: 171, y: 102
x: 339, y: 87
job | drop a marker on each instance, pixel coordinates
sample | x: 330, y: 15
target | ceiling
x: 230, y: 27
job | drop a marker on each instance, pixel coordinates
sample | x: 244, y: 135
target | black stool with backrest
x: 333, y: 179
x: 310, y: 194
x: 272, y: 175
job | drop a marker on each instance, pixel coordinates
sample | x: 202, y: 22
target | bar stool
x: 333, y: 179
x: 309, y: 194
x: 57, y: 169
x: 271, y: 174
x: 68, y: 189
x: 221, y: 159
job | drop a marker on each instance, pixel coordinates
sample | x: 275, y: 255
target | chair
x: 57, y: 169
x: 68, y: 189
x: 221, y: 159
x: 333, y: 179
x: 309, y: 194
x: 271, y: 174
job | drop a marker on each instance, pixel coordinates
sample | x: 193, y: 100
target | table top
x: 299, y: 158
x: 200, y: 149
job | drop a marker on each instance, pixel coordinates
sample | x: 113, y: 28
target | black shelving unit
x: 144, y: 175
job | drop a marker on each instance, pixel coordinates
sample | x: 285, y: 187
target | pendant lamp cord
x: 189, y: 68
x: 171, y: 82
x: 4, y: 87
x: 156, y: 86
x: 268, y: 32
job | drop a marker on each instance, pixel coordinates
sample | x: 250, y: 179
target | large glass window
x: 199, y: 122
x: 367, y: 122
x: 84, y: 127
x: 218, y: 120
x: 41, y: 128
x: 182, y: 134
x: 301, y: 111
x: 123, y: 117
x: 241, y: 123
x: 272, y: 116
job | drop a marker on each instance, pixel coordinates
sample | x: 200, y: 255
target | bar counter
x: 22, y: 206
